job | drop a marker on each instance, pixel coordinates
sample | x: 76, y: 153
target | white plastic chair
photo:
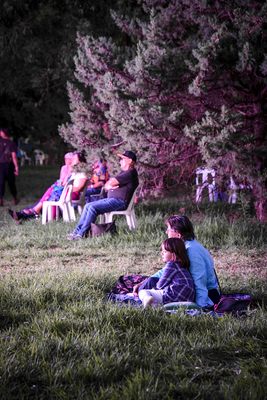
x: 80, y: 202
x: 24, y: 158
x: 63, y: 204
x: 129, y: 214
x: 39, y: 157
x: 98, y: 196
x: 233, y: 191
x: 202, y: 182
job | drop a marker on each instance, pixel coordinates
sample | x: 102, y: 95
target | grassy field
x: 60, y: 339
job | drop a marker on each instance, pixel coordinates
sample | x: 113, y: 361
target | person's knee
x: 89, y: 208
x: 86, y: 207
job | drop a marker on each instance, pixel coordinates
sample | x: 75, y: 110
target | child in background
x: 176, y: 283
x: 99, y: 178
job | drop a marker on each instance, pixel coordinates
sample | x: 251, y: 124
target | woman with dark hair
x: 176, y: 283
x: 76, y: 174
x: 201, y: 263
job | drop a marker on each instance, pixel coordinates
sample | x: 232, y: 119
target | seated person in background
x: 119, y: 189
x: 99, y: 178
x: 176, y: 282
x: 55, y: 191
x: 56, y: 188
x: 201, y: 263
x: 65, y: 170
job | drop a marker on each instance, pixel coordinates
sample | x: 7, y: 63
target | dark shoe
x: 1, y: 202
x: 15, y: 201
x: 15, y: 216
x: 20, y: 216
x: 31, y: 215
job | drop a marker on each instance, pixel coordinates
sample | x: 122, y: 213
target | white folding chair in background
x: 39, y: 157
x: 129, y: 214
x: 63, y: 204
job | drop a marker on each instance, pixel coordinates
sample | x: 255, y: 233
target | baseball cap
x: 128, y: 154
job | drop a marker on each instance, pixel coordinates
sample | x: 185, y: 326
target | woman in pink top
x: 54, y: 191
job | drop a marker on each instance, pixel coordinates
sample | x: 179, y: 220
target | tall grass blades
x: 61, y: 339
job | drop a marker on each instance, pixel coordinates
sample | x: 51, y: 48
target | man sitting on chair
x: 119, y: 189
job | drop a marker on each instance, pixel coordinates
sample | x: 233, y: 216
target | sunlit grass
x: 61, y: 339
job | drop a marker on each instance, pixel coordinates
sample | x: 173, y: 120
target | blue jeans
x: 92, y: 210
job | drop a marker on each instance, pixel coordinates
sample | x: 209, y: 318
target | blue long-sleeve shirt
x: 177, y: 283
x: 202, y: 271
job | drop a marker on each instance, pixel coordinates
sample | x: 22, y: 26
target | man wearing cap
x: 119, y: 189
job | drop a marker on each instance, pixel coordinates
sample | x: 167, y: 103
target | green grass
x: 60, y: 339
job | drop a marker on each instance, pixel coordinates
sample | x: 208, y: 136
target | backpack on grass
x: 125, y: 283
x: 235, y: 303
x: 103, y: 229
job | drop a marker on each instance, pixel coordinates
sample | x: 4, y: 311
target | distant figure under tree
x: 9, y: 167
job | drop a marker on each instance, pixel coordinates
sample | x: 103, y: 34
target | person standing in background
x: 9, y: 167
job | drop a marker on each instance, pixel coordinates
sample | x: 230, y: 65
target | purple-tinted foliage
x: 191, y: 89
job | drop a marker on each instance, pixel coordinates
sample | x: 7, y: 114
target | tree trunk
x: 261, y: 209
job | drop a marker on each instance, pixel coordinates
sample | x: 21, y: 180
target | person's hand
x: 136, y: 289
x: 16, y: 172
x: 106, y: 186
x: 109, y: 186
x: 112, y: 183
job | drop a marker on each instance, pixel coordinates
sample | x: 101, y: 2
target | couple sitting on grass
x: 188, y: 275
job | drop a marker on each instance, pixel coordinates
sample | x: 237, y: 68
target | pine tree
x: 188, y: 81
x: 230, y: 67
x: 137, y: 95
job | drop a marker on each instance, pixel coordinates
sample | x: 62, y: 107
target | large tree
x: 37, y: 46
x: 183, y: 59
x: 137, y: 94
x: 230, y: 67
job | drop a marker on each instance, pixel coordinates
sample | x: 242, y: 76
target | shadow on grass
x: 12, y: 320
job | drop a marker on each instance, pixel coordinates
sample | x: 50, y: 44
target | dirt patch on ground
x: 237, y: 264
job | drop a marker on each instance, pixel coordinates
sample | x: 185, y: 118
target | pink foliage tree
x: 192, y: 76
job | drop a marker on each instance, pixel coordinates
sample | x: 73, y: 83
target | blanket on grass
x: 237, y: 304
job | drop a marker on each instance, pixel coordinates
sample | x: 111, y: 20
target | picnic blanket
x: 236, y: 304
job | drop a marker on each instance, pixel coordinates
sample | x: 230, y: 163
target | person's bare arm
x: 112, y: 183
x: 136, y: 287
x: 15, y: 162
x: 79, y: 187
x: 97, y: 184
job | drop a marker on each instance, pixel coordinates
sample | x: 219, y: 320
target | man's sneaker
x: 74, y: 236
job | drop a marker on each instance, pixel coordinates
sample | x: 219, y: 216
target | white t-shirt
x: 77, y: 176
